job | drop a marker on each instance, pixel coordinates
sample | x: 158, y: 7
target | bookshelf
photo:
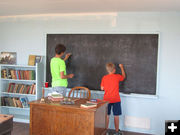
x: 27, y: 83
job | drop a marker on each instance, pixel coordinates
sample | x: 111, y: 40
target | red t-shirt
x: 110, y: 83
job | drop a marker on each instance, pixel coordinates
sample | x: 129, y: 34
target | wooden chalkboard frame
x: 157, y: 70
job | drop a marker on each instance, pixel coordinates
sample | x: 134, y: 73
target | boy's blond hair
x: 110, y: 67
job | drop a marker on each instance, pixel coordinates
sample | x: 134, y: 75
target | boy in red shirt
x: 110, y: 84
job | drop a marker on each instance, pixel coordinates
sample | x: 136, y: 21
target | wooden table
x: 52, y: 118
x: 6, y: 124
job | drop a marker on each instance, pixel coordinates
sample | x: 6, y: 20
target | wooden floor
x: 20, y: 129
x: 23, y: 129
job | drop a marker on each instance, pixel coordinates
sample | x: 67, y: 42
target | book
x: 30, y: 89
x: 18, y: 102
x: 38, y: 59
x: 24, y: 102
x: 3, y: 73
x: 21, y: 89
x: 55, y: 99
x: 9, y: 73
x: 27, y: 73
x: 33, y: 75
x: 16, y: 74
x: 14, y: 101
x: 31, y: 61
x: 34, y: 90
x: 12, y: 88
x: 95, y: 101
x: 24, y: 89
x: 3, y: 103
x: 12, y: 74
x: 6, y: 100
x: 19, y: 75
x: 9, y: 86
x: 15, y: 88
x: 10, y: 100
x: 88, y: 105
x: 22, y: 74
x: 56, y: 95
x: 27, y: 90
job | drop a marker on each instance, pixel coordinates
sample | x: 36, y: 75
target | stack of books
x: 55, y: 96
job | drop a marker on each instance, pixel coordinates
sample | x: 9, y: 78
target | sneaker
x: 107, y: 133
x: 118, y: 133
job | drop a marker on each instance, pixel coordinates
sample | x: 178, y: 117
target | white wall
x: 27, y: 35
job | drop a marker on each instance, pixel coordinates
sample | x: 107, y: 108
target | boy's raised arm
x: 67, y: 56
x: 122, y: 70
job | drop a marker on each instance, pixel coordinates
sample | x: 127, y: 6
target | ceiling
x: 34, y: 7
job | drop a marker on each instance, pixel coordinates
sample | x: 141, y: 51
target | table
x: 52, y: 118
x: 6, y: 124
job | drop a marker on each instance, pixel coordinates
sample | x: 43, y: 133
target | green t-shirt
x: 58, y: 65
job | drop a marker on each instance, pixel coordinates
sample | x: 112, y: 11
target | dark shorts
x: 116, y: 107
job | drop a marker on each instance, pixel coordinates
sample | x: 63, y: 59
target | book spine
x: 19, y: 75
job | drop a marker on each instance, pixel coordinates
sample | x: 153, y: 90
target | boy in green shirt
x: 58, y: 70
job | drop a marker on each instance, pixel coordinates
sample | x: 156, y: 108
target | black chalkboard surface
x: 90, y: 53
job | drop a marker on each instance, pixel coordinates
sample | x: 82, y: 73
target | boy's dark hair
x: 60, y: 48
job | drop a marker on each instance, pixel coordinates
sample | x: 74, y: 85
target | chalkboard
x: 90, y: 53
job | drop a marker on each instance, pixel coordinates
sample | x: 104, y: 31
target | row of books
x: 21, y: 102
x: 18, y: 74
x: 21, y: 88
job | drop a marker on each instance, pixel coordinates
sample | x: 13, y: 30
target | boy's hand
x: 122, y: 70
x: 121, y: 65
x: 102, y: 88
x: 67, y: 56
x: 70, y: 75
